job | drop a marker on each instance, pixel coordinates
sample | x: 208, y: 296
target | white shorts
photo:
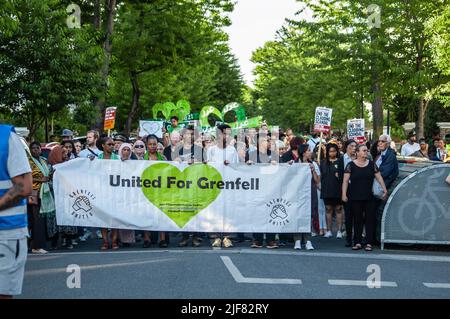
x: 13, y: 256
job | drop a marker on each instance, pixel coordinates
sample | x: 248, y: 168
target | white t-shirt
x: 86, y: 153
x: 408, y: 149
x: 17, y: 165
x: 314, y: 142
x: 219, y: 155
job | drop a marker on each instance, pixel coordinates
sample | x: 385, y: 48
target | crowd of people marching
x: 349, y: 183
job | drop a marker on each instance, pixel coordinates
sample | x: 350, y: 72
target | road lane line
x: 339, y: 282
x: 239, y: 278
x: 437, y: 285
x: 432, y: 258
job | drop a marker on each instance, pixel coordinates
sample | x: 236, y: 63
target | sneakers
x: 146, y: 244
x: 99, y: 234
x: 282, y: 243
x: 196, y: 242
x: 163, y: 244
x: 339, y: 235
x: 39, y: 251
x: 328, y: 234
x: 184, y: 242
x: 298, y: 245
x: 309, y: 245
x: 217, y: 242
x: 256, y: 244
x: 272, y: 244
x: 74, y: 242
x: 227, y: 243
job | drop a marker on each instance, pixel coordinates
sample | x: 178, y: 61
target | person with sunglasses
x: 357, y: 191
x: 387, y: 162
x: 107, y: 147
x: 153, y: 155
x: 139, y: 150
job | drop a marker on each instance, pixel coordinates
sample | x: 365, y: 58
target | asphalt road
x: 331, y: 271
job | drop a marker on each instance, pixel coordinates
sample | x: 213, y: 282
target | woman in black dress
x: 331, y: 192
x: 357, y: 190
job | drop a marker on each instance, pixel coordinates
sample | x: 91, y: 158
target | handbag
x: 377, y: 189
x: 33, y: 199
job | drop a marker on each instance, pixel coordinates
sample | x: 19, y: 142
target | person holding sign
x: 357, y: 190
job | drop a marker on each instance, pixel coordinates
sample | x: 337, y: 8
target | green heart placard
x: 178, y: 194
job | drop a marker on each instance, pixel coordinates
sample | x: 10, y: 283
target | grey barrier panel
x: 418, y: 210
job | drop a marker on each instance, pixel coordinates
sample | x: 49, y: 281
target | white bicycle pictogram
x: 418, y: 215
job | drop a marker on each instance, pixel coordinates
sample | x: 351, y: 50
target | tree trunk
x: 110, y: 8
x: 97, y: 15
x: 420, y: 124
x: 136, y: 93
x: 377, y: 104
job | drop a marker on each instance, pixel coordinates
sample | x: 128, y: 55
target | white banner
x: 170, y: 196
x: 322, y: 119
x: 355, y: 130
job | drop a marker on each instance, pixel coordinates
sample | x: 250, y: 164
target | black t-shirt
x: 330, y: 184
x: 288, y: 156
x: 361, y: 180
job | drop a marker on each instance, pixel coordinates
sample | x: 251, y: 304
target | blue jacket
x: 389, y: 167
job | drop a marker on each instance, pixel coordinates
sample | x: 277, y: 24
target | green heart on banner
x: 184, y: 203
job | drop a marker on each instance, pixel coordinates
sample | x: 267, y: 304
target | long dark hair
x: 102, y: 141
x: 329, y: 147
x: 74, y: 152
x: 302, y: 148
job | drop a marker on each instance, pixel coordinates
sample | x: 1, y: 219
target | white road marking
x: 338, y: 282
x: 239, y: 278
x: 400, y: 257
x: 48, y: 271
x: 437, y: 285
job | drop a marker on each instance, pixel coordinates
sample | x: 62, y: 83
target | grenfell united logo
x: 278, y: 211
x: 82, y: 204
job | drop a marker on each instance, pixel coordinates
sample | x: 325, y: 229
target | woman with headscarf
x: 126, y: 236
x: 57, y: 155
x: 139, y: 149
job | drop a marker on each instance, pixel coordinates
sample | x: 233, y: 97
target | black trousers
x: 348, y: 223
x: 36, y: 225
x: 260, y: 237
x: 363, y: 214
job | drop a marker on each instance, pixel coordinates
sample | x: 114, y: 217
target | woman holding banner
x: 127, y: 237
x: 153, y: 155
x: 357, y: 190
x: 263, y: 154
x: 305, y: 156
x: 107, y: 146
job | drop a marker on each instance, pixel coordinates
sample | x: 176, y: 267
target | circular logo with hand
x: 82, y: 204
x: 278, y: 211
